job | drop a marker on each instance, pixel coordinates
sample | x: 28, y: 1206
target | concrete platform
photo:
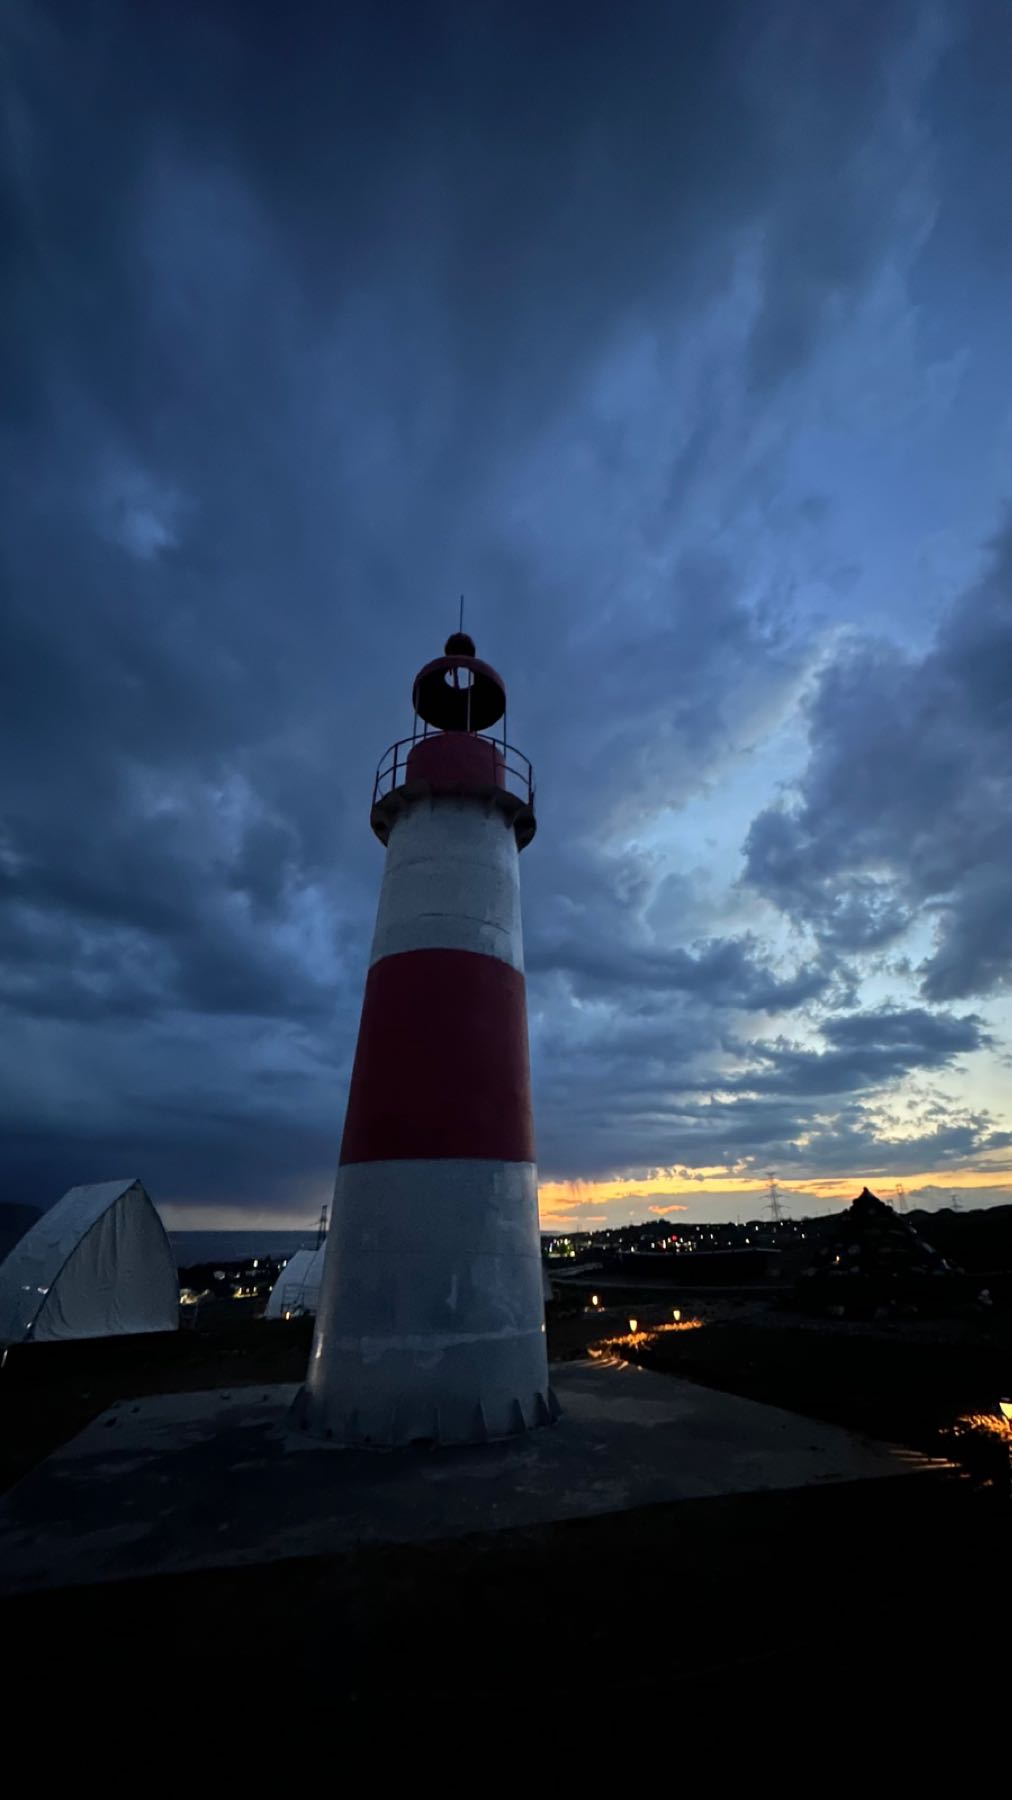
x: 210, y: 1480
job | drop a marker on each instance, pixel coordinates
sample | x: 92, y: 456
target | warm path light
x: 646, y: 1336
x: 1005, y: 1404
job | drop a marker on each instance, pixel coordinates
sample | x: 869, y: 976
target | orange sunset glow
x: 669, y: 1192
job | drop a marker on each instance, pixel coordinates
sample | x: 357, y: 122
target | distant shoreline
x: 191, y: 1247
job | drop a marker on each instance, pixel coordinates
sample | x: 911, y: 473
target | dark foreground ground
x: 858, y: 1602
x: 891, y: 1587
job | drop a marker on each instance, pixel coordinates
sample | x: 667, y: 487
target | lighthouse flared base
x: 430, y: 1327
x: 387, y: 1420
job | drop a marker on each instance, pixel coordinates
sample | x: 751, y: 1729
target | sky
x: 675, y: 336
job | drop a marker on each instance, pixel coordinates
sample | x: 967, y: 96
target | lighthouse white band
x: 463, y: 1206
x: 451, y: 882
x: 431, y: 1315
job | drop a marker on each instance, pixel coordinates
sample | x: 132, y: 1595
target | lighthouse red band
x: 431, y: 1317
x: 432, y: 1080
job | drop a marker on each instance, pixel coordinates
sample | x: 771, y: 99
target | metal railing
x: 508, y: 767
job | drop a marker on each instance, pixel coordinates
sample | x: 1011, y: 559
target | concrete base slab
x: 197, y: 1481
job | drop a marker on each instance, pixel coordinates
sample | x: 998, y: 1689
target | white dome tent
x: 297, y: 1289
x: 97, y: 1264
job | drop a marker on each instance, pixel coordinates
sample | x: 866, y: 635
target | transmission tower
x: 321, y: 1229
x: 901, y: 1198
x: 776, y: 1207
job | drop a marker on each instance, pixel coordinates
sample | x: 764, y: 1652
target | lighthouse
x: 430, y: 1326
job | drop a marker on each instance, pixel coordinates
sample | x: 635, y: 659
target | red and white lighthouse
x: 431, y: 1316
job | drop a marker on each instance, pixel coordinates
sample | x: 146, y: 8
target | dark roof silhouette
x: 870, y: 1239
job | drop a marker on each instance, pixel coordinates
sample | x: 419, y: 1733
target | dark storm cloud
x: 818, y: 247
x: 723, y: 971
x: 746, y: 1134
x: 905, y: 805
x: 305, y: 323
x: 690, y: 1092
x: 863, y: 1051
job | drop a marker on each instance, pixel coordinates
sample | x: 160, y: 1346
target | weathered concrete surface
x: 197, y: 1481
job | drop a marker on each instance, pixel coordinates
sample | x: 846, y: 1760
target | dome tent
x: 297, y: 1289
x: 97, y: 1264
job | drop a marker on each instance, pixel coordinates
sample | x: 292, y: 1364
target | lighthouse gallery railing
x: 507, y: 767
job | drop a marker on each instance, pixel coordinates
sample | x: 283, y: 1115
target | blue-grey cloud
x: 863, y: 1050
x: 905, y: 806
x: 690, y: 1092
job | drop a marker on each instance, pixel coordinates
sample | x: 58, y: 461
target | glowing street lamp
x: 677, y: 1314
x: 634, y: 1326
